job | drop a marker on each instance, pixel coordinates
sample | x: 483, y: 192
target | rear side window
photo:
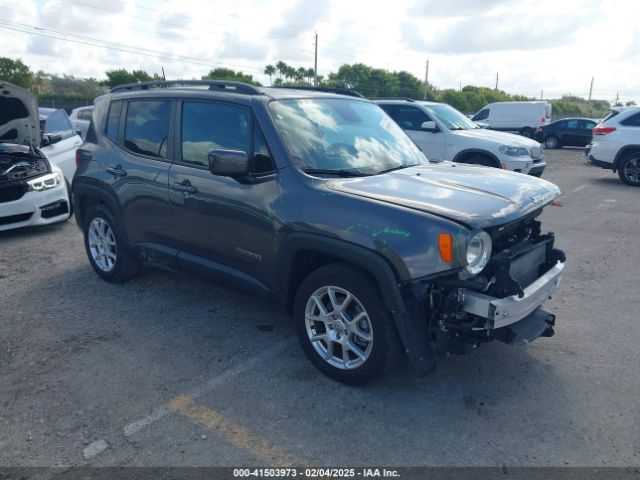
x: 409, y: 118
x: 58, y: 124
x: 632, y: 121
x: 113, y: 120
x: 207, y: 126
x: 146, y: 127
x: 612, y: 114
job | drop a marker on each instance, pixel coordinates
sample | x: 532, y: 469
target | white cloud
x: 550, y: 45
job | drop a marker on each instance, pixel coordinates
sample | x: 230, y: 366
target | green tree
x: 269, y: 70
x: 222, y: 73
x: 122, y: 76
x: 16, y: 72
x: 282, y: 68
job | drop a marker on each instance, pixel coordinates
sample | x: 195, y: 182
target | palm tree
x: 282, y: 68
x: 301, y: 72
x: 269, y: 70
x: 310, y: 74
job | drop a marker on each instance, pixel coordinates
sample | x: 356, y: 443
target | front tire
x: 629, y: 170
x: 343, y: 325
x: 552, y: 142
x: 106, y: 248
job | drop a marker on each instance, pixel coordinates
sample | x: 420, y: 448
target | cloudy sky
x: 554, y: 46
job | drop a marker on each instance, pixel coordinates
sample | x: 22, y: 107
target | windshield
x: 451, y: 118
x: 343, y: 135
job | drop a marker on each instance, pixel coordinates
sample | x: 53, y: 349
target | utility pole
x: 541, y: 94
x: 590, y: 89
x: 497, y: 80
x: 315, y: 63
x: 426, y: 80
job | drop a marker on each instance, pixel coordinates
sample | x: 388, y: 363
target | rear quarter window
x: 113, y: 120
x: 632, y: 121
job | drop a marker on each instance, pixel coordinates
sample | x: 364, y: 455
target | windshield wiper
x: 338, y: 172
x: 397, y: 168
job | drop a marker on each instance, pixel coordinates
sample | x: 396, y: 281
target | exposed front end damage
x: 504, y: 301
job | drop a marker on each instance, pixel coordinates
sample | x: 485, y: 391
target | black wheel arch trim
x: 97, y: 192
x: 622, y: 153
x: 478, y: 151
x: 404, y: 308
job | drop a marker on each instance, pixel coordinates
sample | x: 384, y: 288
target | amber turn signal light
x: 445, y: 245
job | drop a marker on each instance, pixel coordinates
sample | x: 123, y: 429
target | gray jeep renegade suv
x: 322, y: 205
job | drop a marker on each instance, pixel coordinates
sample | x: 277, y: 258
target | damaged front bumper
x: 503, y: 303
x: 501, y: 312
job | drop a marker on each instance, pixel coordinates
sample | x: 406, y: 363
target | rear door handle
x: 184, y: 187
x: 118, y: 171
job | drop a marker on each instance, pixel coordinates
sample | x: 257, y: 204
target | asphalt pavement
x: 171, y: 370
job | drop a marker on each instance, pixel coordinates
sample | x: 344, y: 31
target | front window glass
x: 208, y: 126
x: 343, y: 135
x: 451, y: 118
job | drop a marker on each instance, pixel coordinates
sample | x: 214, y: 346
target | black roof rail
x: 231, y: 87
x: 339, y: 91
x: 393, y: 98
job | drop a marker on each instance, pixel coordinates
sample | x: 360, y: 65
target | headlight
x: 45, y: 182
x: 514, y: 151
x: 478, y: 252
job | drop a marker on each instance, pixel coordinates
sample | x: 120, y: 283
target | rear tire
x: 354, y: 337
x: 552, y: 142
x: 106, y: 248
x: 629, y: 169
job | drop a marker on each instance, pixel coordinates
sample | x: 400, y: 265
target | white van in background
x: 520, y: 117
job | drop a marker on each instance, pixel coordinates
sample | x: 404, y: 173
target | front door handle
x: 184, y: 187
x: 118, y: 171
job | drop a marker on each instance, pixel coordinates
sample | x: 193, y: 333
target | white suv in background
x: 616, y: 144
x: 443, y: 133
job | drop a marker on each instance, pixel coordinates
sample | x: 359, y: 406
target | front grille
x: 514, y: 233
x: 10, y: 193
x: 23, y: 217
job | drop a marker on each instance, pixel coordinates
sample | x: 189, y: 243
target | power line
x: 79, y: 39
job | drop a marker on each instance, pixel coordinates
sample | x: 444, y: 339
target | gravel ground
x: 171, y: 370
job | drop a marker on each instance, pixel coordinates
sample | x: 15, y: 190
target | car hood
x: 19, y: 121
x: 475, y: 196
x: 501, y: 138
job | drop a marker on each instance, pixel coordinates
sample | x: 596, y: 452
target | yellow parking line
x: 233, y: 433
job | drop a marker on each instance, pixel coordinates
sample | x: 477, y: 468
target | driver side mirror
x: 228, y: 163
x: 50, y: 139
x: 429, y: 126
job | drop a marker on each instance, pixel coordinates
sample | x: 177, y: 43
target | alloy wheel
x: 339, y: 327
x: 102, y: 244
x: 632, y: 170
